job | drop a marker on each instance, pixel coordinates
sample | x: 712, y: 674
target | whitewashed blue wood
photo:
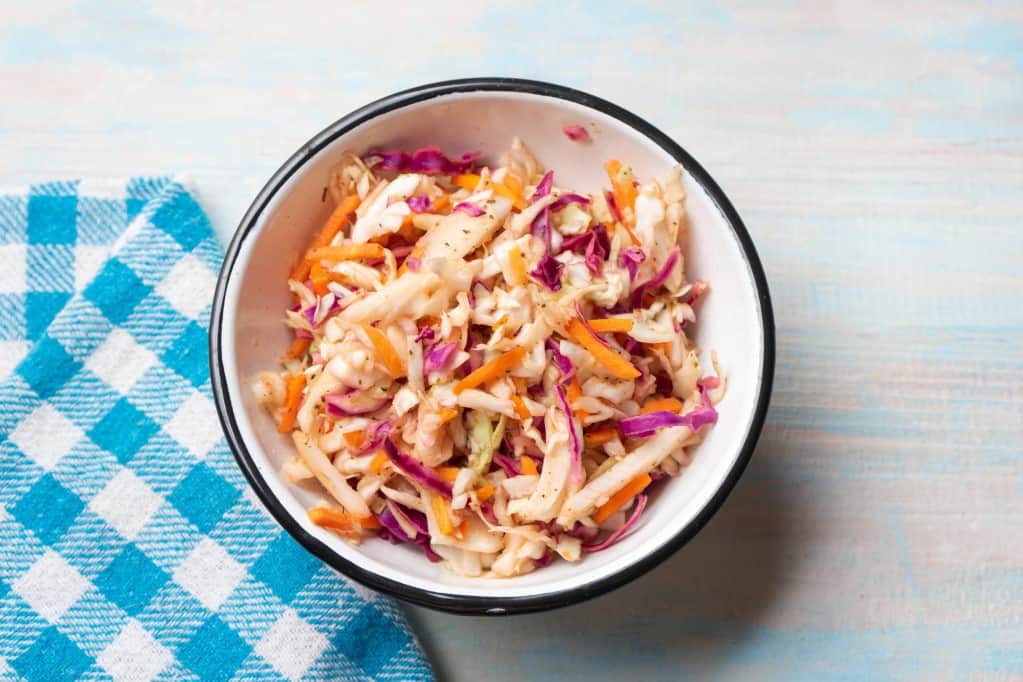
x: 876, y: 154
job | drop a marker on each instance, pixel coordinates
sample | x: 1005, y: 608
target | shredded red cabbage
x: 413, y: 263
x: 630, y: 259
x: 429, y: 160
x: 612, y: 206
x: 420, y: 203
x: 543, y: 188
x: 626, y: 527
x: 576, y: 133
x: 438, y: 357
x: 395, y: 531
x: 593, y: 244
x: 416, y: 471
x: 388, y: 521
x: 560, y: 360
x: 352, y: 402
x: 542, y: 227
x: 548, y: 272
x: 468, y: 208
x: 566, y: 199
x: 509, y: 465
x: 637, y: 294
x: 375, y: 436
x: 573, y: 438
x: 646, y: 425
x: 425, y: 334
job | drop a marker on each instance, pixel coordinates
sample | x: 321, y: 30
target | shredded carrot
x: 440, y: 511
x: 663, y: 347
x: 624, y: 187
x: 294, y: 383
x: 492, y: 369
x: 466, y: 181
x: 620, y: 498
x: 517, y: 265
x: 339, y: 520
x: 378, y: 462
x: 663, y: 405
x: 319, y: 277
x: 298, y: 347
x: 573, y: 391
x: 449, y: 474
x: 520, y: 407
x: 336, y: 221
x: 447, y: 414
x: 485, y: 492
x: 506, y: 192
x: 529, y: 467
x: 416, y: 252
x: 513, y: 183
x: 618, y: 365
x: 470, y: 181
x: 347, y: 252
x: 385, y: 351
x: 600, y: 436
x: 441, y: 202
x: 612, y: 324
x: 354, y: 438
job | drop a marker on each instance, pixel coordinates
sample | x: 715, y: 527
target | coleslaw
x: 487, y: 365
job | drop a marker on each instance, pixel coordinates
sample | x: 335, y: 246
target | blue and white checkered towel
x: 130, y: 546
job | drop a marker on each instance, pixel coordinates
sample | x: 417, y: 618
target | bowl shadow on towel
x: 688, y: 613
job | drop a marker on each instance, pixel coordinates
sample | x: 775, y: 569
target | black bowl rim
x: 471, y: 604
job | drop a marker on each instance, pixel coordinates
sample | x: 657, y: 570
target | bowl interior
x: 730, y: 319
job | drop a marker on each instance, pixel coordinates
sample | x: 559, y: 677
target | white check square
x: 291, y: 645
x: 120, y: 361
x: 134, y: 655
x: 126, y: 503
x: 46, y: 436
x: 51, y: 586
x: 209, y: 574
x: 88, y: 261
x: 188, y: 287
x: 195, y: 425
x: 12, y: 275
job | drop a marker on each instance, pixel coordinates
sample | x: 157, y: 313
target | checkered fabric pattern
x: 130, y: 546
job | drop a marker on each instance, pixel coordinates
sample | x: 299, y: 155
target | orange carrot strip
x: 624, y: 188
x: 301, y: 270
x: 620, y: 498
x: 493, y: 369
x: 446, y: 414
x: 298, y: 348
x: 294, y: 384
x: 573, y: 391
x: 513, y: 183
x: 612, y: 324
x: 336, y: 221
x: 449, y: 474
x: 520, y: 407
x: 618, y: 365
x: 663, y: 405
x: 529, y: 467
x: 347, y: 252
x: 485, y: 492
x: 440, y: 511
x: 385, y: 351
x: 506, y: 192
x: 466, y: 180
x: 664, y: 347
x: 377, y: 464
x: 320, y: 279
x: 517, y: 265
x: 354, y: 438
x: 600, y: 436
x: 440, y: 202
x: 335, y: 519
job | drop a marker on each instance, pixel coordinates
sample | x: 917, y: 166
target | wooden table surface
x: 876, y: 154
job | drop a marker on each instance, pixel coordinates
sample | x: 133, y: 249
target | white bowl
x: 735, y: 319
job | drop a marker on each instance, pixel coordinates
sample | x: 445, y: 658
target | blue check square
x: 48, y: 367
x: 131, y: 580
x: 52, y: 219
x: 215, y: 651
x: 116, y: 291
x: 48, y: 509
x: 52, y: 657
x: 203, y: 497
x: 285, y: 567
x: 123, y: 430
x: 187, y: 355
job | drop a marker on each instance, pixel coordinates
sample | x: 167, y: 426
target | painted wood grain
x: 875, y: 151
